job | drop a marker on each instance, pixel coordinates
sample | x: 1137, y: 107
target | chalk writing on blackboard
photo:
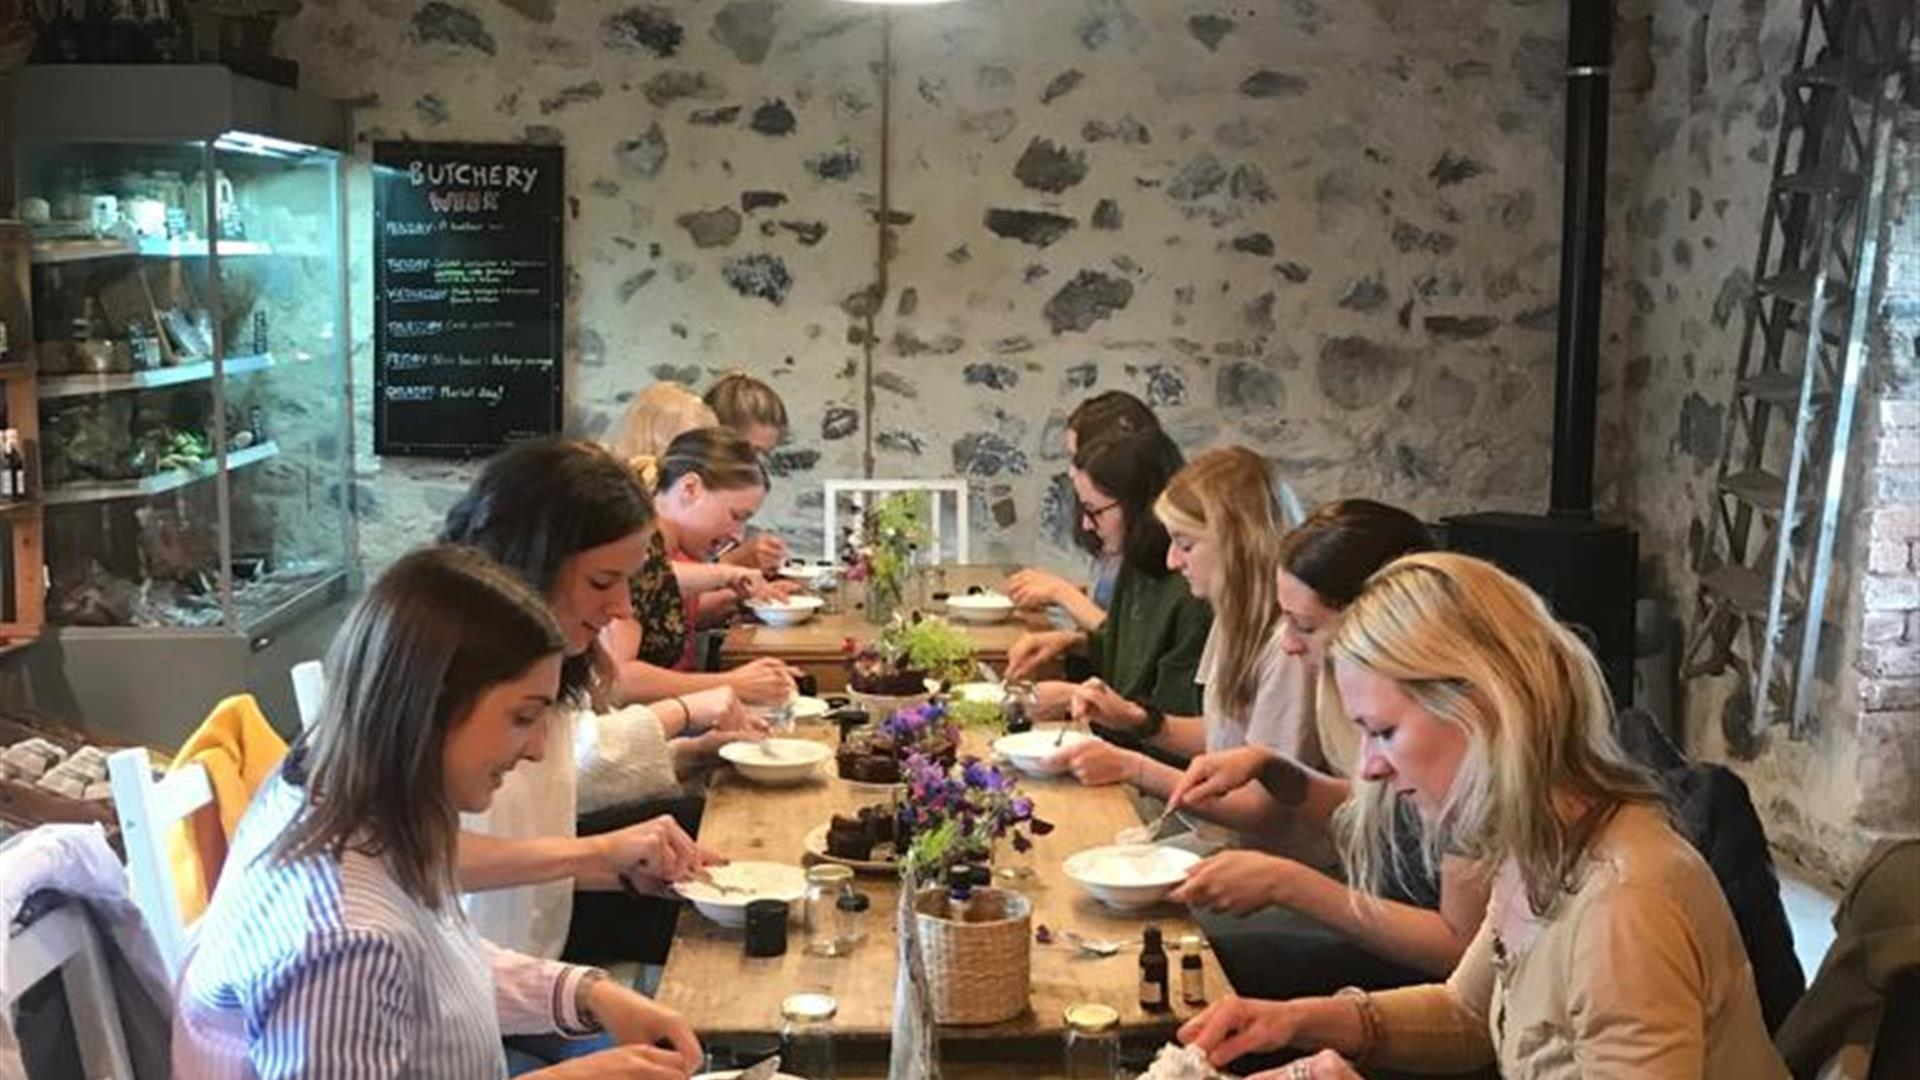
x: 467, y: 295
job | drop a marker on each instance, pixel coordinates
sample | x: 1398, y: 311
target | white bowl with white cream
x: 980, y: 607
x: 776, y: 762
x: 1130, y: 876
x: 1030, y: 751
x: 792, y: 611
x: 737, y: 884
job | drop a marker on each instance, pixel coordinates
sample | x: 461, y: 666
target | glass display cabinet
x: 191, y: 336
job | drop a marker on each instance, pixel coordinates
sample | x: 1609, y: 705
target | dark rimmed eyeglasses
x: 1091, y: 514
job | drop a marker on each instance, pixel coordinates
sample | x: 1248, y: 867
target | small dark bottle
x: 1156, y: 989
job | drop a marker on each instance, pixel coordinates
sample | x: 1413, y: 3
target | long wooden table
x: 817, y: 646
x: 724, y: 993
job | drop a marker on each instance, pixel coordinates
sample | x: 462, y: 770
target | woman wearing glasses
x: 1148, y: 645
x: 1226, y: 526
x: 1102, y: 416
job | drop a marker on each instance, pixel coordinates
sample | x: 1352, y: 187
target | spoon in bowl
x: 1150, y: 833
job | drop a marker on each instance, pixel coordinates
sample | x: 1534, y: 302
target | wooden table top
x: 723, y: 992
x: 818, y: 644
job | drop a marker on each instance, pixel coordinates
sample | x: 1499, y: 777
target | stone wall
x: 1327, y: 230
x: 1324, y: 229
x: 1697, y: 109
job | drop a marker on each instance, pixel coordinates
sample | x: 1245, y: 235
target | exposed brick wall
x: 1888, y: 662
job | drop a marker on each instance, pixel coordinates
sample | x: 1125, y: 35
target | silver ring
x: 1300, y: 1069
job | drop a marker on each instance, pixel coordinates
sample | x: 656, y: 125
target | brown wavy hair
x: 741, y: 401
x: 721, y: 457
x: 434, y: 633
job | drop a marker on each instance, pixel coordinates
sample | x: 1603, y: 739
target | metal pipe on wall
x: 1582, y: 253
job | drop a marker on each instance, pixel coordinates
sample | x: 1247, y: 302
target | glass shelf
x: 60, y: 386
x: 85, y: 491
x: 149, y: 247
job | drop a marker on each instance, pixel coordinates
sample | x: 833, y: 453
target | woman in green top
x: 1148, y: 647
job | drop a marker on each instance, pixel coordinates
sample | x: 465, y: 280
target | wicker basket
x: 978, y: 972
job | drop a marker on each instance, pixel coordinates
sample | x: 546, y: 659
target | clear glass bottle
x: 1093, y: 1042
x: 817, y: 916
x: 806, y: 1035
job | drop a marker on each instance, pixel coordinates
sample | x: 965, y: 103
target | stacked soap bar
x: 79, y: 775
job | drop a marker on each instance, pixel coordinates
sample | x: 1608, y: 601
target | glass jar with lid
x: 824, y: 885
x: 1093, y: 1041
x: 806, y: 1035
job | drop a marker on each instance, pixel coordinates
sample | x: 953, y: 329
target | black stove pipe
x: 1583, y: 230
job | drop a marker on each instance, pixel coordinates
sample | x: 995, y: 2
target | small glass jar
x: 824, y: 883
x: 1019, y: 705
x: 806, y: 1035
x: 1012, y: 864
x: 850, y: 919
x: 1093, y: 1042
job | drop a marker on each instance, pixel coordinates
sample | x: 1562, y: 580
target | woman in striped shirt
x: 335, y: 946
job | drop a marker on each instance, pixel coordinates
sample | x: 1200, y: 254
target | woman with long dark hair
x: 572, y: 521
x: 335, y: 945
x: 1147, y: 647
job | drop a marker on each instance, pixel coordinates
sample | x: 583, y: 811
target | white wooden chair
x: 148, y: 810
x: 62, y: 941
x: 939, y: 493
x: 309, y: 689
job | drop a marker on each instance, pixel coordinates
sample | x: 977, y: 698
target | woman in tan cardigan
x: 1607, y: 950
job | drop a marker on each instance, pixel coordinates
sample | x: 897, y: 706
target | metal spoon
x: 760, y: 1070
x: 1148, y: 834
x: 1092, y: 946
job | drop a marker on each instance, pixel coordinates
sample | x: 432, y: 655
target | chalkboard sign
x: 467, y: 280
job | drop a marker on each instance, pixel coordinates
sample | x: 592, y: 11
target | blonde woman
x: 1422, y: 926
x: 1608, y: 949
x: 753, y: 410
x: 1226, y: 526
x: 653, y: 646
x: 654, y: 416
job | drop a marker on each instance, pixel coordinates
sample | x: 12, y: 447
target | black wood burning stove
x: 1583, y: 567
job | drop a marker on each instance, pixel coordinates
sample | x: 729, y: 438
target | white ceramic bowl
x: 1029, y: 750
x: 730, y: 1074
x: 761, y: 880
x: 1130, y: 876
x: 808, y: 708
x: 989, y: 692
x: 792, y: 611
x: 814, y: 574
x: 791, y: 761
x: 986, y: 607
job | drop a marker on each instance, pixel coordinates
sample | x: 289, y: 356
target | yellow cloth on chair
x: 239, y: 750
